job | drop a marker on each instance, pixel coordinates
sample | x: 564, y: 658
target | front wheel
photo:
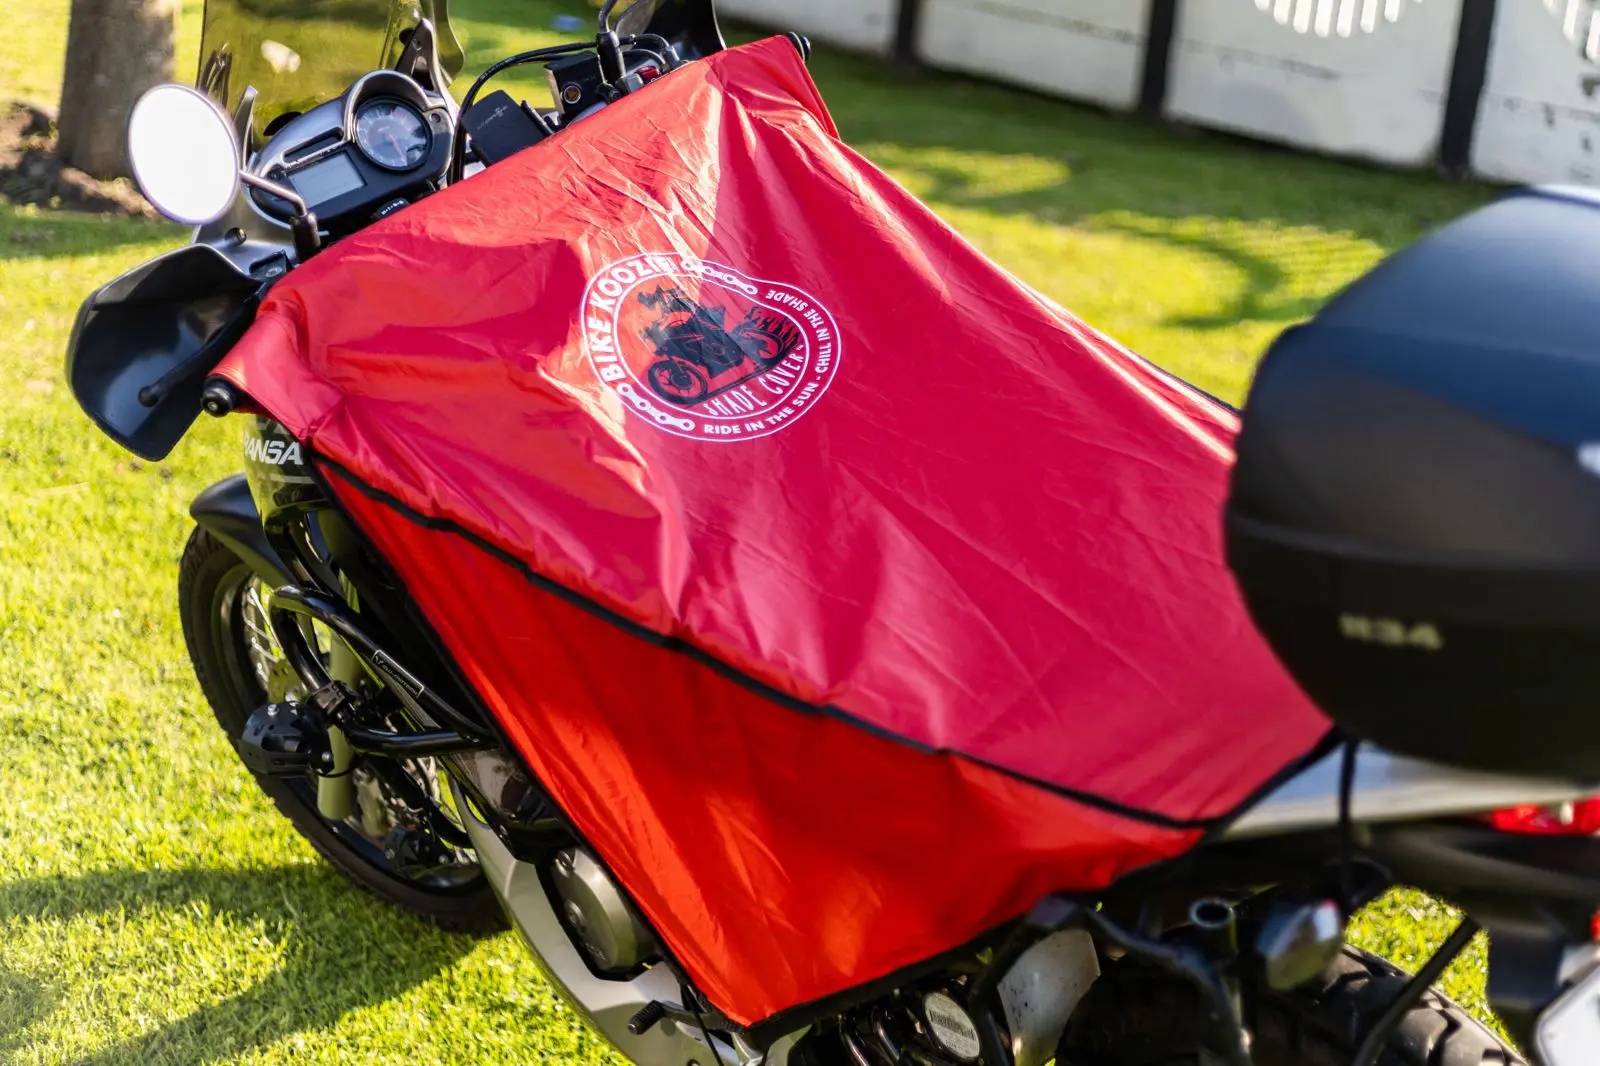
x: 240, y: 667
x: 678, y: 381
x: 1128, y: 1021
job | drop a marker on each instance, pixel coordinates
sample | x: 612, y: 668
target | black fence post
x: 1159, y: 30
x: 908, y: 19
x: 1467, y: 75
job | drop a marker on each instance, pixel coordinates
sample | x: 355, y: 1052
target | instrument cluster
x: 381, y: 145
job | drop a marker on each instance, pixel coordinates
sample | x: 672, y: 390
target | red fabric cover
x: 949, y: 511
x: 782, y: 856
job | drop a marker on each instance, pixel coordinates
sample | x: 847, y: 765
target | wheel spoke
x: 378, y: 811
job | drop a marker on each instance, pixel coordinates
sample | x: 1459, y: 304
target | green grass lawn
x: 154, y: 910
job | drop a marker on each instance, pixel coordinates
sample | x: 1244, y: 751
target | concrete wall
x: 1365, y: 78
x: 1091, y: 50
x: 1539, y: 119
x: 1507, y: 88
x: 859, y: 25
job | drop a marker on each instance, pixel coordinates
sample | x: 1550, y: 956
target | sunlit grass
x: 154, y: 910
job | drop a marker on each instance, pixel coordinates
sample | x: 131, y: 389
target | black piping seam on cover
x: 792, y: 1018
x: 761, y: 1033
x: 470, y: 693
x: 760, y: 688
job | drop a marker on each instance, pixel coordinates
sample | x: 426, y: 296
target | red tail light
x: 1580, y: 818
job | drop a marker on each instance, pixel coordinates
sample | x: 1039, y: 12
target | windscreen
x: 299, y: 53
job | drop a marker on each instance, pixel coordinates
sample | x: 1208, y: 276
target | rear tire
x: 1156, y: 1022
x: 211, y: 583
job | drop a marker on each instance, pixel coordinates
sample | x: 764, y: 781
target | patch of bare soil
x: 30, y: 173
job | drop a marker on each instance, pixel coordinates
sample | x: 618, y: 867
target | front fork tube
x: 336, y: 790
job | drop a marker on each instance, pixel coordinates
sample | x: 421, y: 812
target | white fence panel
x: 862, y: 25
x: 1363, y: 78
x: 1084, y: 49
x: 1539, y: 119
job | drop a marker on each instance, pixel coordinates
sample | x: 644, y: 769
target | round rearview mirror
x: 185, y: 159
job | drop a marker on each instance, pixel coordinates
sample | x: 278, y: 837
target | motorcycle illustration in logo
x: 704, y: 351
x: 698, y: 355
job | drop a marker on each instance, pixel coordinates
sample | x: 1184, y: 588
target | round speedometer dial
x: 392, y: 134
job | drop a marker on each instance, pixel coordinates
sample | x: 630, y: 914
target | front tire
x: 215, y: 588
x: 678, y: 381
x: 1125, y: 1021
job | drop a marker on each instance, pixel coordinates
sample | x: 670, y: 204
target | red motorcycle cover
x: 847, y: 594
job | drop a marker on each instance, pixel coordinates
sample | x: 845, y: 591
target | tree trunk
x: 116, y: 49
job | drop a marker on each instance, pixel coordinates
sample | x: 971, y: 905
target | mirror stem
x: 304, y: 223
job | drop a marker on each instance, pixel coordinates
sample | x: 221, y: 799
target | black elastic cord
x: 1347, y: 780
x: 1412, y: 993
x: 691, y: 999
x: 458, y: 150
x: 676, y: 644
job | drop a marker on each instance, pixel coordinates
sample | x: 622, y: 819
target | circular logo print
x: 705, y: 351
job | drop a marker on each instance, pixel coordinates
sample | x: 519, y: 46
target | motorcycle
x: 694, y: 346
x: 1408, y: 532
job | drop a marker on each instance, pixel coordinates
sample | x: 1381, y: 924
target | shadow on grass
x: 52, y: 234
x: 1262, y: 296
x: 309, y: 908
x: 23, y: 1001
